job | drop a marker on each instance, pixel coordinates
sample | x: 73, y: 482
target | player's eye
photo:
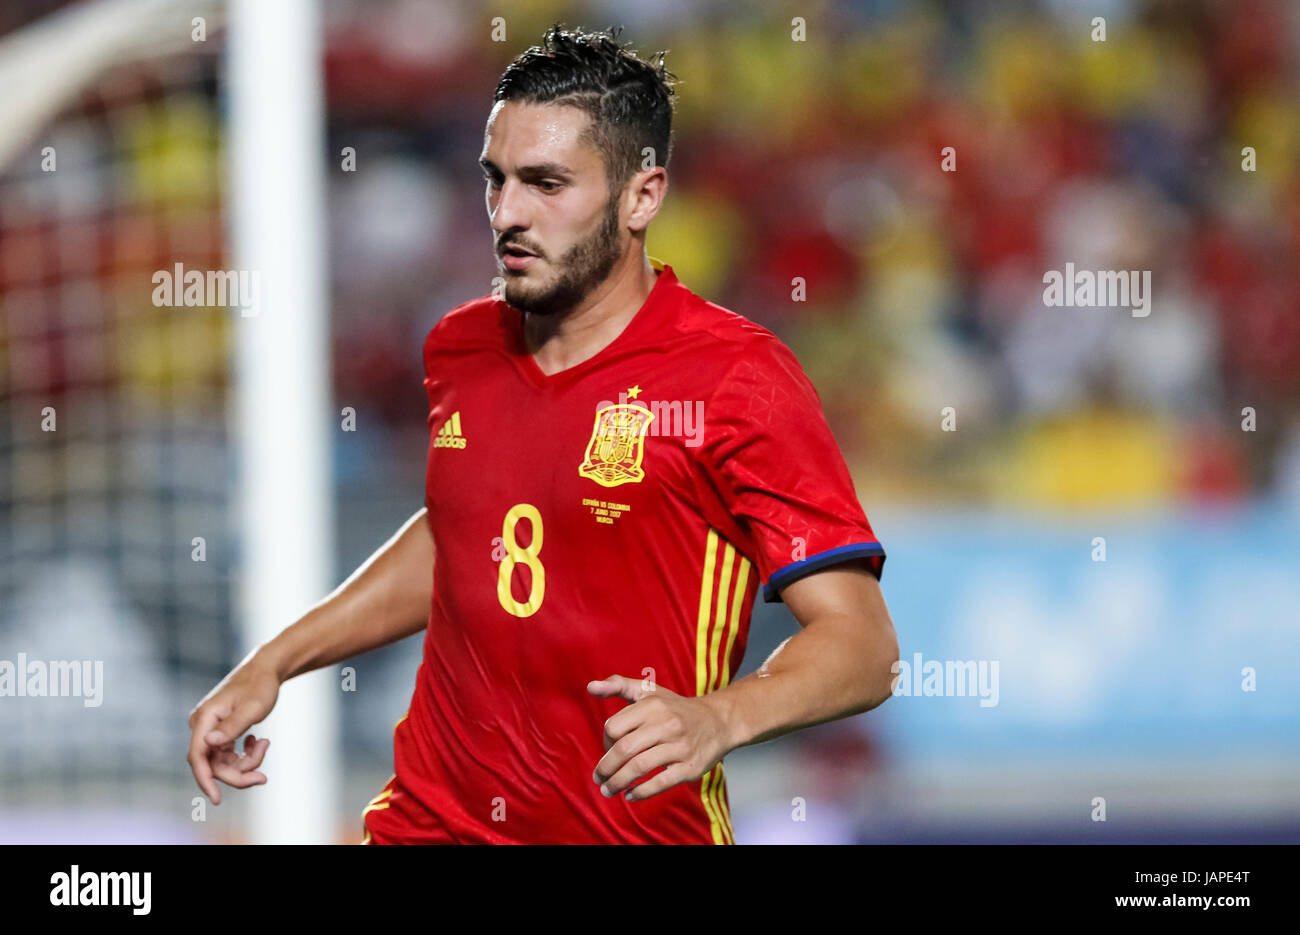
x: 549, y: 186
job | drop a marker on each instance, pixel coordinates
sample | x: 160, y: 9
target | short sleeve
x: 770, y: 456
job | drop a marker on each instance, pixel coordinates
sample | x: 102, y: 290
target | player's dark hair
x: 630, y: 101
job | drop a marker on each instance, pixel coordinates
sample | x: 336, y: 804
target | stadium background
x: 1120, y: 679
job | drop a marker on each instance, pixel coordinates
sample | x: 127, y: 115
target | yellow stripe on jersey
x: 702, y: 624
x: 375, y: 803
x: 733, y: 581
x: 715, y: 820
x: 728, y: 561
x: 722, y: 804
x: 742, y: 584
x: 711, y: 788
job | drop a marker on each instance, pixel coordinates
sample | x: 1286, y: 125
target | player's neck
x: 558, y: 342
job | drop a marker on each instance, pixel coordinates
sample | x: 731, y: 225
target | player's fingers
x: 245, y: 715
x: 198, y: 756
x: 232, y: 775
x: 671, y: 776
x: 228, y: 756
x: 208, y: 714
x: 203, y: 720
x: 649, y: 708
x: 643, y: 764
x: 626, y: 747
x: 616, y: 686
x: 254, y: 751
x: 235, y: 769
x: 202, y: 771
x: 622, y: 724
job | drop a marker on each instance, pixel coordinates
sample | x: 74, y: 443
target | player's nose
x: 509, y: 211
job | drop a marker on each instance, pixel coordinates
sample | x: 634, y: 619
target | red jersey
x: 616, y: 517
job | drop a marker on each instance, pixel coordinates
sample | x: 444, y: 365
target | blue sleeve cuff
x: 796, y: 570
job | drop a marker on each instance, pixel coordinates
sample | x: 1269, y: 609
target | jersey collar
x: 659, y: 300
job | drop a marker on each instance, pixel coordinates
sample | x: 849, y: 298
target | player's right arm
x: 384, y: 600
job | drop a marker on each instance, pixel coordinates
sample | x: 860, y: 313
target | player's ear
x: 648, y: 189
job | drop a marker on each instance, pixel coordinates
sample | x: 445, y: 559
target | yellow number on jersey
x: 515, y: 555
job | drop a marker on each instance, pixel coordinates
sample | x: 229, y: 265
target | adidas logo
x: 449, y: 435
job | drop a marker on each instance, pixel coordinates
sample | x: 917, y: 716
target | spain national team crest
x: 617, y: 445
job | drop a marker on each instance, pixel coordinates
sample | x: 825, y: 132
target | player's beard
x: 583, y: 267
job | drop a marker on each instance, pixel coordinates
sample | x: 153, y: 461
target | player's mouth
x: 515, y: 257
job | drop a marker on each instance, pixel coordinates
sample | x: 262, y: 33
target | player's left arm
x: 838, y: 664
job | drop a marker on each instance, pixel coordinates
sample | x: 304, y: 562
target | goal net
x: 120, y: 523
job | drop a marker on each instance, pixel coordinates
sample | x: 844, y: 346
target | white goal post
x: 281, y: 404
x: 283, y: 391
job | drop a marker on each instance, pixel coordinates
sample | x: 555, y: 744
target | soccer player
x: 615, y: 466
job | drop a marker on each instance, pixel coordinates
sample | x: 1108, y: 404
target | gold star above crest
x: 634, y: 391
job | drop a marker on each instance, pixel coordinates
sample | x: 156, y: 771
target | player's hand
x: 240, y: 700
x: 686, y: 736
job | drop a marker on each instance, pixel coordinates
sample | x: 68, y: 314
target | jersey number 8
x: 517, y: 555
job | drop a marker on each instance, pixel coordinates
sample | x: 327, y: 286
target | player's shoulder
x: 742, y: 347
x: 476, y: 323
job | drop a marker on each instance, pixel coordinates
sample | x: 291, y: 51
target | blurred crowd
x: 923, y: 325
x: 823, y: 159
